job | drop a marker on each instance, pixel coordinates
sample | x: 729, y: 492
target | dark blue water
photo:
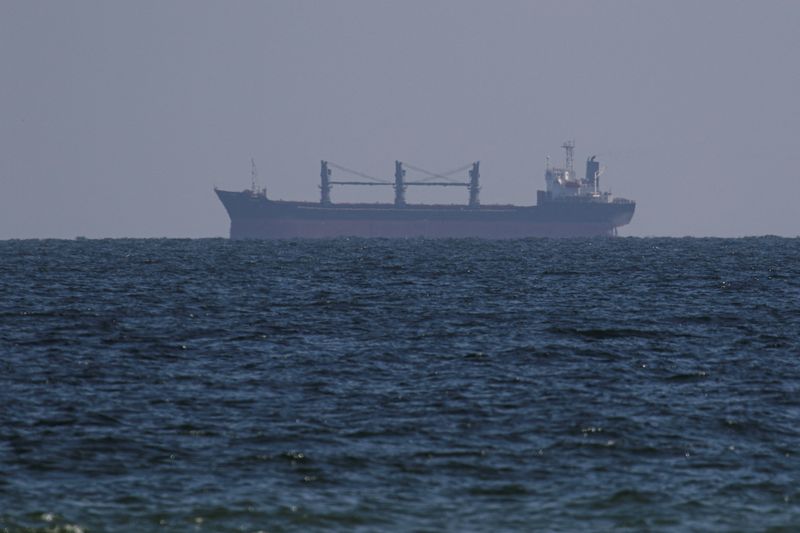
x: 209, y: 385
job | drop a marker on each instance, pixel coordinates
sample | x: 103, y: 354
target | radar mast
x: 569, y: 157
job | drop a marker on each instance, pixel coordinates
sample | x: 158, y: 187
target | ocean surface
x: 400, y: 385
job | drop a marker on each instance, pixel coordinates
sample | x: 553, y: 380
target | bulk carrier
x: 570, y: 206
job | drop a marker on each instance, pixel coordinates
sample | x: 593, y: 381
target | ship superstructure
x: 563, y: 183
x: 569, y: 207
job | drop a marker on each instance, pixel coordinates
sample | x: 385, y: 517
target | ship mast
x: 569, y: 157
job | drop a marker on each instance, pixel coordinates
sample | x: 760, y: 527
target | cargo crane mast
x: 400, y: 184
x: 473, y: 184
x: 474, y: 187
x: 325, y: 183
x: 373, y: 180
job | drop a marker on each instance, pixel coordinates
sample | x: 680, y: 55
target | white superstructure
x: 563, y: 182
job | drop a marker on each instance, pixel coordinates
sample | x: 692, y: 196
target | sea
x: 613, y: 384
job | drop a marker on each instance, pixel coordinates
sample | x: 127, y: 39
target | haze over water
x: 214, y: 385
x: 118, y: 119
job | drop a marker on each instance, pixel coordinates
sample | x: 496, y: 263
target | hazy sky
x: 117, y: 119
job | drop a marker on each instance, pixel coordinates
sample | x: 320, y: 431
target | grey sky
x: 117, y: 119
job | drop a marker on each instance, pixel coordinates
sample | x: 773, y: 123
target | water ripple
x: 350, y: 384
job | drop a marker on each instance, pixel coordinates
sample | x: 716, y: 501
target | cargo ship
x: 570, y: 206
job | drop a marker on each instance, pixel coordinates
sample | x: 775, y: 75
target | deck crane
x: 399, y: 183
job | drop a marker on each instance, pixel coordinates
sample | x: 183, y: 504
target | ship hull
x: 255, y: 217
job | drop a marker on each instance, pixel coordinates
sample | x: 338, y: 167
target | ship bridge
x: 563, y: 183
